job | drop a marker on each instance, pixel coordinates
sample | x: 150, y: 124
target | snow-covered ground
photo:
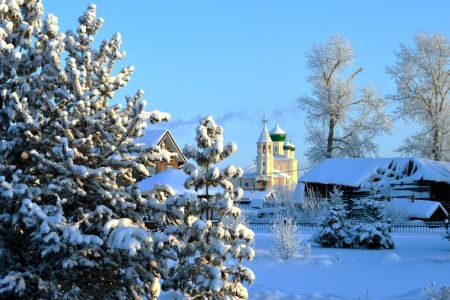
x: 417, y: 261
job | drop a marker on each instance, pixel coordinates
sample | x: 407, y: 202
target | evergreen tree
x: 335, y: 230
x: 207, y: 249
x: 374, y: 232
x: 70, y: 216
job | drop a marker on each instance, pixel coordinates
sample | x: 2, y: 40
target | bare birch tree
x: 422, y: 75
x: 341, y: 121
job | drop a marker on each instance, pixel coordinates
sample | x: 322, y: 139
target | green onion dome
x: 277, y: 134
x: 288, y: 146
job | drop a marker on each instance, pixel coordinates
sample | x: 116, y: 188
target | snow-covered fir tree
x: 70, y: 216
x: 373, y: 233
x: 207, y: 248
x: 335, y: 231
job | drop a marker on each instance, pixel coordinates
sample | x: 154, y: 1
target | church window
x: 264, y: 148
x: 269, y: 148
x: 264, y: 163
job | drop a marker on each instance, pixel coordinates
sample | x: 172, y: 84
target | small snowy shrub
x: 305, y: 249
x: 334, y: 232
x: 286, y: 237
x: 374, y: 232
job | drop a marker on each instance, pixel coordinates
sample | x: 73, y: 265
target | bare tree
x: 422, y: 75
x: 341, y: 122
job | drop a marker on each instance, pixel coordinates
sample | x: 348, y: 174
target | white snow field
x: 417, y: 261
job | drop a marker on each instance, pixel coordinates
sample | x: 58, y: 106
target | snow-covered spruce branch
x: 71, y: 221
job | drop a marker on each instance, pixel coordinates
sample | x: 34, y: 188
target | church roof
x: 251, y: 172
x: 265, y: 137
x: 277, y: 130
x: 277, y: 134
x: 288, y: 146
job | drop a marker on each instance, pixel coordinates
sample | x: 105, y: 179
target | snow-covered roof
x: 357, y: 172
x: 251, y: 195
x: 156, y: 136
x: 421, y: 209
x: 299, y: 193
x: 264, y: 137
x: 152, y: 137
x: 257, y: 203
x: 280, y: 174
x: 251, y: 172
x: 174, y: 178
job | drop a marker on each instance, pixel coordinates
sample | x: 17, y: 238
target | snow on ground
x: 330, y: 274
x: 417, y: 261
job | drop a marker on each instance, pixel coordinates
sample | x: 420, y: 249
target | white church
x: 275, y: 162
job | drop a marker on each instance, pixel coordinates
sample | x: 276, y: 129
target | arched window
x: 269, y: 148
x: 264, y: 148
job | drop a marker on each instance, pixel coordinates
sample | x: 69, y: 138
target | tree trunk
x: 437, y: 144
x: 330, y: 138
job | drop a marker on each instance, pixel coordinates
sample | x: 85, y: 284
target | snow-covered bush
x: 305, y: 249
x: 70, y: 216
x: 335, y: 231
x: 374, y: 232
x: 206, y: 248
x: 286, y: 237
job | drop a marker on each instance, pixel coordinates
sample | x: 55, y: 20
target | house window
x: 169, y: 167
x: 246, y: 184
x: 152, y: 170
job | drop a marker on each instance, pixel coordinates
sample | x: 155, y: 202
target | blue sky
x: 236, y: 60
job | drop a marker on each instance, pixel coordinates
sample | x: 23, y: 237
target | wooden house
x: 165, y: 140
x: 409, y: 178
